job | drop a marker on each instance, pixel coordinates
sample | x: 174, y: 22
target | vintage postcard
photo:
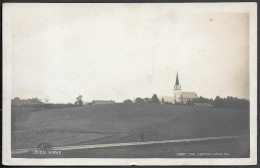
x: 130, y: 84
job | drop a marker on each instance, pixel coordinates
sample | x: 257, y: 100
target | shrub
x: 128, y: 101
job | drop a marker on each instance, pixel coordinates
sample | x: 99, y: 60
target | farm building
x: 99, y: 102
x: 202, y: 105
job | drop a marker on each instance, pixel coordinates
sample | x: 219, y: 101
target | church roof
x: 189, y: 95
x: 177, y: 80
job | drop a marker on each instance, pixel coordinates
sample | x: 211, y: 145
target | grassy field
x: 116, y: 123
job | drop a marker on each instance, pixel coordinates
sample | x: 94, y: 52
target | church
x: 180, y: 96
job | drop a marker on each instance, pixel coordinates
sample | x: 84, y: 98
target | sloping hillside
x: 123, y: 123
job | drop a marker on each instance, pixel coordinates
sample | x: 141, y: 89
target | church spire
x: 177, y: 86
x: 177, y: 80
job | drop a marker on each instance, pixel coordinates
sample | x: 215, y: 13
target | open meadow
x: 123, y: 123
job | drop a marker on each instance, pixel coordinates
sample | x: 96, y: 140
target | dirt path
x: 19, y: 151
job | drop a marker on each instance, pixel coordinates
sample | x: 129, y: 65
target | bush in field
x: 139, y: 100
x: 128, y: 101
x: 155, y: 99
x: 44, y: 146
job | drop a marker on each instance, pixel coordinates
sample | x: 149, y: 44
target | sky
x: 118, y: 52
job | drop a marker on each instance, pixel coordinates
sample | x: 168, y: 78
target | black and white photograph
x: 129, y: 83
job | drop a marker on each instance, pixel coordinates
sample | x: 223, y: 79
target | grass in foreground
x: 115, y: 123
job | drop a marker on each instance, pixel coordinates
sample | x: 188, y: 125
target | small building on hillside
x: 100, y: 102
x: 202, y: 105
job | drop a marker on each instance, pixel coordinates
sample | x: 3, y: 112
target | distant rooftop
x: 103, y: 101
x: 189, y: 95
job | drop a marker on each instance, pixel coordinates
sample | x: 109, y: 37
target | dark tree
x: 218, y: 102
x: 155, y: 99
x: 162, y: 100
x: 139, y: 100
x: 79, y: 101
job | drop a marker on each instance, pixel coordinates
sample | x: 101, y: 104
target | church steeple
x: 177, y: 80
x: 177, y: 85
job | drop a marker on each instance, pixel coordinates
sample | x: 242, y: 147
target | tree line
x: 219, y: 102
x: 154, y: 99
x: 228, y: 102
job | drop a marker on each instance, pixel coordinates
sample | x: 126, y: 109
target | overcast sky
x: 106, y: 52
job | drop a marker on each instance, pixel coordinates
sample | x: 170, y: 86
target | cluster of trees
x: 18, y: 101
x: 231, y: 102
x: 201, y: 100
x: 36, y: 101
x: 228, y: 102
x: 79, y: 101
x: 154, y: 99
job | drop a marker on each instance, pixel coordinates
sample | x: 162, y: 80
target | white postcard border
x: 250, y: 8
